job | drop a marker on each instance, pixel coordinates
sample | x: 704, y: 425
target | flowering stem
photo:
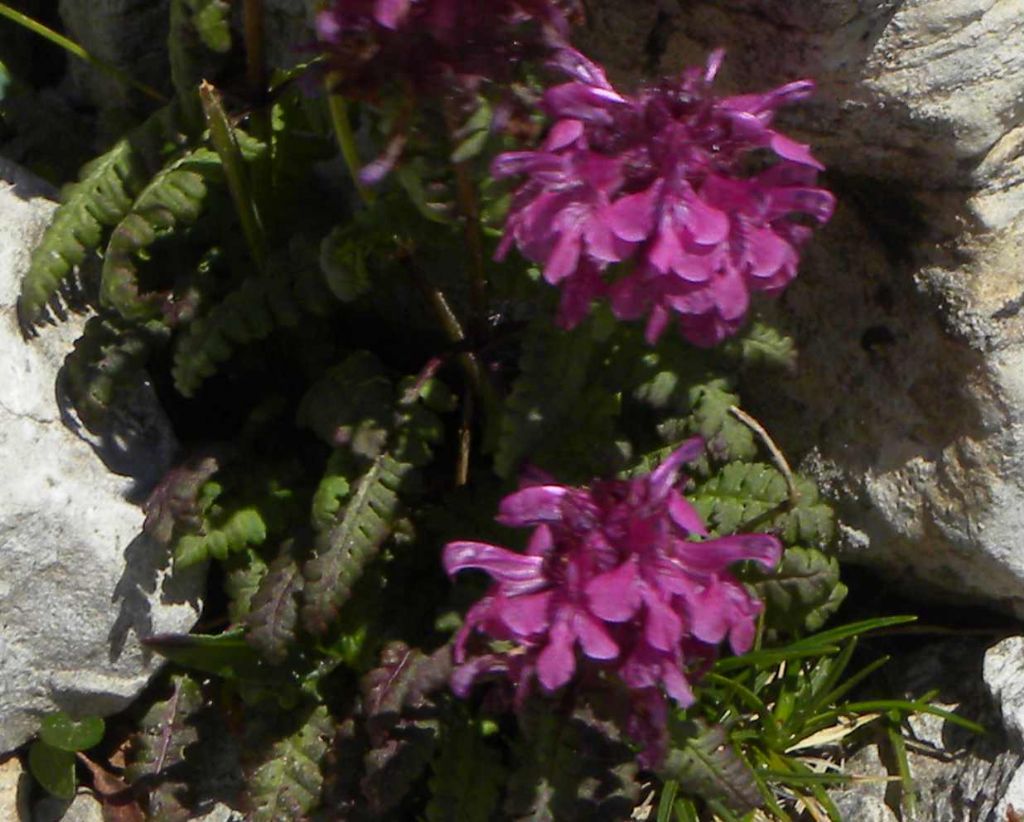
x: 777, y: 456
x: 252, y: 14
x: 346, y: 140
x: 469, y: 207
x: 465, y: 440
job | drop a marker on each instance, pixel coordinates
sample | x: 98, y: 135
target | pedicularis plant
x: 383, y: 367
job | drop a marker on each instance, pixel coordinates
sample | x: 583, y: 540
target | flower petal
x: 533, y: 506
x: 523, y: 572
x: 594, y: 638
x: 557, y: 662
x: 614, y: 596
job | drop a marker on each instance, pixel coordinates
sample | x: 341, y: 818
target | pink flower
x: 618, y: 577
x: 658, y: 180
x: 434, y: 43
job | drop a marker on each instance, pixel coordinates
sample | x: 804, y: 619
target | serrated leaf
x: 552, y: 372
x: 574, y: 767
x: 237, y: 531
x: 173, y: 198
x: 53, y: 768
x: 175, y: 500
x: 403, y: 721
x: 803, y: 592
x: 704, y: 763
x: 289, y: 783
x: 64, y: 733
x: 467, y: 776
x: 740, y: 494
x: 343, y: 552
x: 274, y: 615
x: 156, y: 753
x: 101, y: 198
x: 351, y: 405
x: 243, y: 574
x: 761, y: 345
x: 106, y: 364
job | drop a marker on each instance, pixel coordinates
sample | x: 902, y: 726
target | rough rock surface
x: 909, y: 402
x: 958, y: 775
x: 78, y: 585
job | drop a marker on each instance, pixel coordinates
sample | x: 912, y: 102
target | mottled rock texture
x: 78, y: 585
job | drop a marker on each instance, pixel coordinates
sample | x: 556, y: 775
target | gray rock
x: 14, y: 788
x: 957, y: 775
x: 83, y: 808
x: 78, y: 584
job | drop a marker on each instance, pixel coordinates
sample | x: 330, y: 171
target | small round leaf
x: 52, y: 768
x: 61, y: 731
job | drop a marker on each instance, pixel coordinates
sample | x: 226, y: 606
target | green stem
x: 73, y: 48
x: 223, y: 138
x: 469, y: 208
x: 346, y: 141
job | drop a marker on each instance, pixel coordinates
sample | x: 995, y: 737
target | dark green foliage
x: 573, y: 767
x: 552, y: 370
x: 61, y: 731
x: 53, y: 768
x: 274, y: 611
x: 761, y: 345
x: 467, y: 775
x: 344, y: 551
x: 104, y: 195
x: 402, y: 720
x: 754, y: 496
x: 173, y: 506
x: 692, y: 397
x: 288, y: 783
x: 803, y: 592
x: 158, y: 749
x: 104, y: 368
x: 198, y: 38
x: 704, y: 763
x: 259, y: 306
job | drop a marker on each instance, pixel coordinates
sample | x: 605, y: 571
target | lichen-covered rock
x: 78, y: 585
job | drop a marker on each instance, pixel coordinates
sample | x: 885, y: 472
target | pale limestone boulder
x: 78, y: 585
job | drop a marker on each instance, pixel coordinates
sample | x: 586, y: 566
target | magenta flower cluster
x: 665, y: 180
x: 434, y: 43
x: 619, y: 577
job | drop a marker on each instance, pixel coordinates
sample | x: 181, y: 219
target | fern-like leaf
x: 274, y: 615
x: 107, y: 187
x: 761, y: 345
x: 467, y: 776
x: 288, y: 784
x: 246, y: 315
x: 552, y: 370
x: 574, y: 767
x: 803, y: 592
x: 156, y: 753
x: 403, y: 721
x: 705, y: 764
x: 740, y: 496
x: 344, y: 551
x: 106, y: 364
x: 174, y: 503
x: 172, y: 199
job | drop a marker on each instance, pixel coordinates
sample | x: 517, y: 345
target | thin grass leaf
x: 667, y: 800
